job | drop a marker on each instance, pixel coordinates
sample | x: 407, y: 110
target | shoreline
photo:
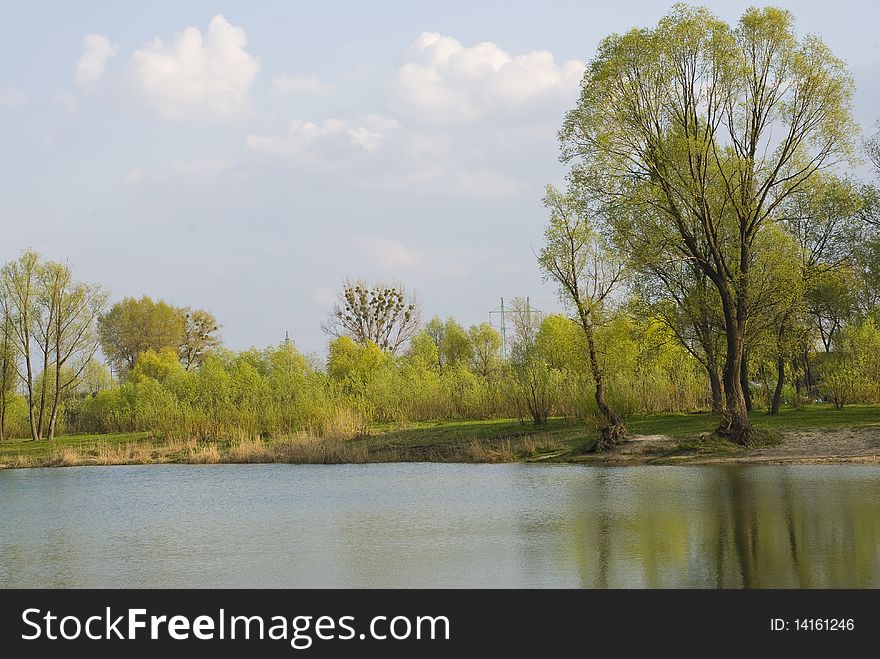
x: 703, y: 462
x: 799, y: 446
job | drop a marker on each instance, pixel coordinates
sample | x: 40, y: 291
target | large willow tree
x: 710, y: 128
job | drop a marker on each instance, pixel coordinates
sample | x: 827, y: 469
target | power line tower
x: 500, y: 318
x: 500, y: 314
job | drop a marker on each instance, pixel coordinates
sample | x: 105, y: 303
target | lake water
x: 434, y: 525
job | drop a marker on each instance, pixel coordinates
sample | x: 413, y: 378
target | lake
x: 440, y: 525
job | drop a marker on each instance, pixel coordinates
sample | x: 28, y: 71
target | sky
x: 247, y: 157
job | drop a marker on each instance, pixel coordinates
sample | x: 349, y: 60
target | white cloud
x: 446, y: 82
x: 10, y: 98
x: 308, y: 138
x: 97, y: 49
x: 197, y: 76
x: 301, y: 85
x: 389, y: 254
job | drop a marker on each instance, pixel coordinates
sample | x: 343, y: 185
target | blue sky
x: 247, y: 157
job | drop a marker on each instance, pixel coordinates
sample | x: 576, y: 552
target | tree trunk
x: 4, y: 372
x: 614, y: 429
x: 717, y: 391
x: 780, y: 380
x: 53, y: 418
x: 744, y: 380
x: 3, y: 412
x: 711, y: 365
x: 735, y: 424
x: 30, y: 392
x: 43, y: 391
x: 808, y: 373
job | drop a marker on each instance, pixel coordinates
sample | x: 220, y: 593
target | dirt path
x: 817, y: 446
x: 808, y: 446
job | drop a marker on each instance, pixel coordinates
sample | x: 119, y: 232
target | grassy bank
x: 658, y: 438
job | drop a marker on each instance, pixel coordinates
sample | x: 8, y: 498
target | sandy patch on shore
x: 802, y: 446
x: 822, y: 445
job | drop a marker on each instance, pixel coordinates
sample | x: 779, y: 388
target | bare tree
x: 533, y: 379
x: 73, y: 336
x: 48, y: 278
x: 20, y: 282
x: 587, y: 273
x: 387, y: 315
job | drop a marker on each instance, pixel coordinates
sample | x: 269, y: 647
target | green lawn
x: 453, y: 440
x: 560, y: 437
x: 814, y: 416
x: 675, y: 425
x: 469, y: 441
x: 29, y: 448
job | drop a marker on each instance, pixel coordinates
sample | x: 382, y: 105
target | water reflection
x: 760, y: 527
x: 441, y: 526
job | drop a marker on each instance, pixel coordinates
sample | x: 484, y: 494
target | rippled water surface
x: 433, y: 525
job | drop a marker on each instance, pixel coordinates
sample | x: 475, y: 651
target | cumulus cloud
x: 97, y: 49
x: 301, y: 85
x: 196, y: 75
x: 308, y: 138
x: 10, y: 98
x: 446, y: 82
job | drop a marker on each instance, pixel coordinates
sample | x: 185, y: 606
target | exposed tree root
x: 738, y: 433
x: 610, y: 435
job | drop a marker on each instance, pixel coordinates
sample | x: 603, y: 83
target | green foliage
x: 453, y: 344
x: 562, y: 343
x: 675, y: 142
x: 132, y: 327
x: 486, y: 344
x: 269, y: 393
x: 16, y: 424
x: 423, y: 352
x: 455, y: 347
x: 851, y: 372
x: 355, y: 366
x: 155, y: 365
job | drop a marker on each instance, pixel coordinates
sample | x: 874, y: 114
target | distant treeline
x: 182, y: 384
